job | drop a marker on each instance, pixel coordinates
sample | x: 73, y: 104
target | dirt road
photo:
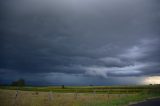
x: 151, y: 102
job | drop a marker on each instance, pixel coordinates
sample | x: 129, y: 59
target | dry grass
x: 29, y: 98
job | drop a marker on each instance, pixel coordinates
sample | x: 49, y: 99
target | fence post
x: 16, y: 95
x: 127, y: 92
x: 76, y: 95
x: 108, y: 93
x: 50, y: 95
x: 94, y: 92
x: 15, y: 98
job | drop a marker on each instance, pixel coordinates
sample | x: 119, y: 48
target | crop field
x: 76, y: 96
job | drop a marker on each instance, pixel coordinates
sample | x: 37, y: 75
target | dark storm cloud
x: 80, y: 37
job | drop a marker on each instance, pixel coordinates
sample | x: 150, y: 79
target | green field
x: 76, y: 95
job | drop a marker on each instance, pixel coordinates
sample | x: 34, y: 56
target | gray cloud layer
x: 105, y: 38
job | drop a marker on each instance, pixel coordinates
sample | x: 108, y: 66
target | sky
x: 80, y: 42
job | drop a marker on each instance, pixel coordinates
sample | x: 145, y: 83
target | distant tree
x: 62, y: 86
x: 20, y: 82
x: 14, y: 83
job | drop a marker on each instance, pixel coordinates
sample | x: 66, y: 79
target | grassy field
x: 90, y: 89
x: 76, y: 95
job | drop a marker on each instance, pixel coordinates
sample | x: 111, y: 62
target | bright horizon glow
x: 152, y: 80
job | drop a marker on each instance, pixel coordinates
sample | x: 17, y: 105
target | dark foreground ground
x: 151, y: 102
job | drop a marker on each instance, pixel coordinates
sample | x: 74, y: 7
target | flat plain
x: 76, y: 96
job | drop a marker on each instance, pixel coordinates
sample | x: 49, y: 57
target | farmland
x: 76, y: 95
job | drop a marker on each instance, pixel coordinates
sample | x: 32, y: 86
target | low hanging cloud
x: 135, y: 61
x: 105, y: 38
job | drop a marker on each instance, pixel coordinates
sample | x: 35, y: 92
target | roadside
x: 148, y: 102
